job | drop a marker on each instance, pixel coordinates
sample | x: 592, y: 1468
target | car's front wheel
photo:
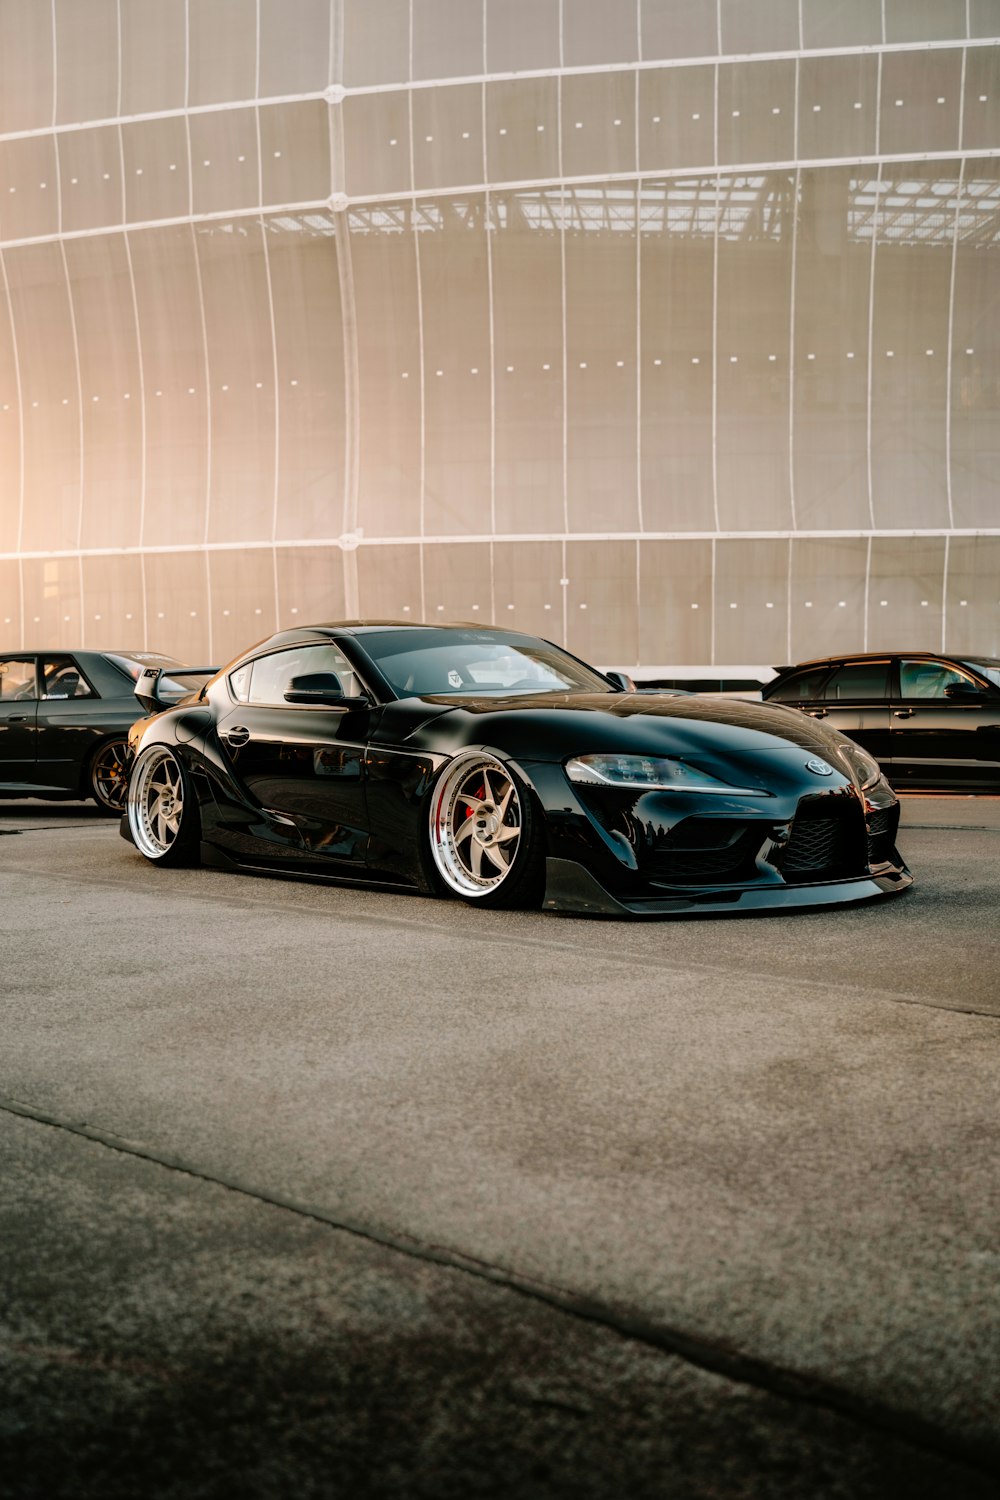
x: 107, y: 777
x: 485, y: 841
x: 162, y: 812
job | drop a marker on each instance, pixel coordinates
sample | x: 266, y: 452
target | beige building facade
x: 666, y: 329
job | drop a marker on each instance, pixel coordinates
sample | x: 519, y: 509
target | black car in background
x: 932, y: 722
x: 495, y: 767
x: 65, y: 717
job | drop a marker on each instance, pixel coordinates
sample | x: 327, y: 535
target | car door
x: 69, y: 714
x: 304, y: 763
x: 18, y: 712
x: 945, y: 726
x: 856, y: 701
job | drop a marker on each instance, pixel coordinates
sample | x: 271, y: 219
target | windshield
x: 168, y: 689
x: 988, y: 668
x: 418, y: 663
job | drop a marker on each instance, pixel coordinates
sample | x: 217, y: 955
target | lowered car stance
x: 497, y: 768
x: 65, y: 717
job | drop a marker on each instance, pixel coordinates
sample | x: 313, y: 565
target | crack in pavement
x: 713, y: 1355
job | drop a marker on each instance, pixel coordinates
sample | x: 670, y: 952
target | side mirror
x: 622, y: 681
x: 323, y: 689
x: 964, y: 692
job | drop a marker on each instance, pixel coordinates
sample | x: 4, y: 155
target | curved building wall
x: 668, y: 329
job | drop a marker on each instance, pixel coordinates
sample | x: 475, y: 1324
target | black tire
x: 484, y: 840
x: 106, y: 778
x: 163, y: 816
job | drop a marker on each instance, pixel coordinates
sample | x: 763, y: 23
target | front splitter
x: 571, y: 888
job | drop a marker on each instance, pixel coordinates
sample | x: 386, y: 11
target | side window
x: 859, y: 680
x: 62, y: 678
x: 17, y: 680
x: 800, y: 686
x: 928, y: 679
x: 272, y: 675
x: 239, y: 682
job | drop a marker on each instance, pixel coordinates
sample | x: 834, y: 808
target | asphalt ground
x: 310, y: 1191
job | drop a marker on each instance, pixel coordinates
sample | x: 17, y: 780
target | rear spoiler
x: 148, y: 682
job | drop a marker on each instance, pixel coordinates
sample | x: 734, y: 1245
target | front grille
x: 882, y: 834
x: 704, y: 851
x: 827, y: 842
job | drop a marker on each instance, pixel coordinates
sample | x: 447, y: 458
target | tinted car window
x: 859, y: 679
x: 62, y: 678
x: 459, y: 661
x: 17, y: 681
x: 928, y: 679
x: 272, y: 675
x: 800, y: 685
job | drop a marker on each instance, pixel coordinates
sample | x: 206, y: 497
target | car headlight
x: 865, y: 767
x: 651, y: 773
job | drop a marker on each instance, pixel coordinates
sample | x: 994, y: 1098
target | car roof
x: 845, y: 656
x: 361, y: 628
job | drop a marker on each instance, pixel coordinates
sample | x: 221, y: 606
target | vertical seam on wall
x: 876, y: 212
x: 562, y: 287
x: 638, y: 311
x: 792, y: 291
x: 274, y: 332
x: 142, y: 431
x: 950, y: 347
x: 420, y: 331
x: 20, y: 430
x: 868, y: 577
x: 944, y: 594
x: 488, y: 232
x: 711, y: 644
x: 788, y: 599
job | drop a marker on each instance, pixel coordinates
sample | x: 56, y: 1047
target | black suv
x: 932, y: 722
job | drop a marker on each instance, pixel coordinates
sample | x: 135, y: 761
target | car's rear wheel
x: 162, y: 812
x: 484, y: 836
x: 107, y: 777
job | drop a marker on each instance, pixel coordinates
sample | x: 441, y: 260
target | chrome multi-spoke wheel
x: 162, y: 823
x: 109, y: 777
x: 480, y: 829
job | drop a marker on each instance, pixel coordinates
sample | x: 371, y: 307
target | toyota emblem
x: 819, y: 768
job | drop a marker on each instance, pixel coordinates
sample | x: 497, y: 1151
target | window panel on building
x: 242, y: 404
x: 677, y: 219
x: 841, y: 23
x: 168, y: 299
x: 759, y: 26
x: 447, y: 137
x: 294, y: 46
x: 751, y: 600
x: 598, y: 123
x: 830, y: 411
x: 913, y: 260
x: 921, y: 92
x: 53, y: 613
x: 447, y: 39
x: 601, y: 412
x: 981, y: 116
x: 222, y: 52
x: 600, y: 31
x: 29, y: 196
x: 43, y: 328
x: 112, y: 602
x: 26, y: 65
x: 295, y: 152
x: 242, y: 599
x: 602, y: 607
x: 678, y: 28
x: 925, y: 20
x: 376, y: 42
x: 908, y: 573
x: 458, y: 585
x: 389, y: 585
x: 756, y: 111
x: 157, y: 183
x: 837, y: 114
x: 975, y: 351
x: 310, y: 585
x: 377, y: 144
x: 86, y: 60
x: 384, y: 270
x: 972, y: 612
x: 528, y: 360
x: 827, y: 608
x: 522, y: 130
x: 305, y: 289
x: 177, y: 604
x: 154, y: 65
x: 754, y: 293
x: 530, y: 579
x: 522, y: 34
x: 675, y: 602
x: 90, y: 176
x: 454, y: 294
x: 676, y: 118
x: 224, y: 160
x: 111, y: 388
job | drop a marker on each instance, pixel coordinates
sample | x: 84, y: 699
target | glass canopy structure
x: 667, y: 329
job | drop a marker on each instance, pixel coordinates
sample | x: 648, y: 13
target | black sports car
x: 65, y: 717
x: 932, y: 722
x: 498, y: 768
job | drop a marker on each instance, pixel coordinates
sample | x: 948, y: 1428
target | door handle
x: 236, y: 736
x: 817, y: 713
x: 18, y: 719
x: 902, y: 713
